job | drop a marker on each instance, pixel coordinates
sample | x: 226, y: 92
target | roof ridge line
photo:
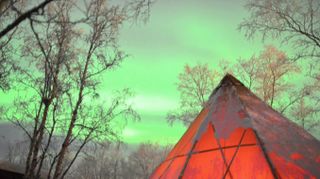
x: 269, y: 162
x: 260, y: 144
x: 229, y: 78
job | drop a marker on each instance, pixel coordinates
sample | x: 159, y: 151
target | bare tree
x: 195, y: 85
x: 270, y: 76
x: 266, y: 73
x: 303, y: 113
x: 314, y: 83
x: 6, y: 66
x: 119, y: 161
x: 10, y: 6
x: 145, y: 159
x: 297, y: 23
x: 16, y: 153
x: 9, y: 33
x: 6, y: 48
x: 101, y: 160
x: 306, y: 112
x: 66, y: 50
x: 294, y: 21
x: 247, y: 71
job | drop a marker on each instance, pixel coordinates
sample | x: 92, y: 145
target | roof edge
x: 227, y: 79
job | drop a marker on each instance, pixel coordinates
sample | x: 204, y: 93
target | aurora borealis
x: 178, y: 32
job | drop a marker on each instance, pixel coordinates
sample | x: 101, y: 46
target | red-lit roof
x: 239, y: 136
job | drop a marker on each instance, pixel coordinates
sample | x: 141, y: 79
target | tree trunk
x: 65, y: 145
x: 66, y: 142
x: 30, y: 170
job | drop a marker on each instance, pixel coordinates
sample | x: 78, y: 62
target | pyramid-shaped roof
x: 239, y: 136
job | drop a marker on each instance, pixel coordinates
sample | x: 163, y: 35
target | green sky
x: 178, y: 32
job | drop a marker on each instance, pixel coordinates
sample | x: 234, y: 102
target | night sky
x: 178, y: 32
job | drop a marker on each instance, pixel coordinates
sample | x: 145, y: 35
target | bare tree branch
x: 23, y: 17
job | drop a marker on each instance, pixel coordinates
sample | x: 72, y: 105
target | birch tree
x: 66, y: 50
x: 195, y: 84
x: 292, y: 21
x: 266, y: 74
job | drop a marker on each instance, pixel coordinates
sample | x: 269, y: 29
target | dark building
x: 10, y: 171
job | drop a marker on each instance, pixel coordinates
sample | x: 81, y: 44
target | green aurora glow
x: 178, y: 32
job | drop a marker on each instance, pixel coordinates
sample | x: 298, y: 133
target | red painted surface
x: 185, y: 143
x: 206, y: 141
x: 174, y: 170
x: 296, y: 156
x: 287, y: 169
x: 239, y: 136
